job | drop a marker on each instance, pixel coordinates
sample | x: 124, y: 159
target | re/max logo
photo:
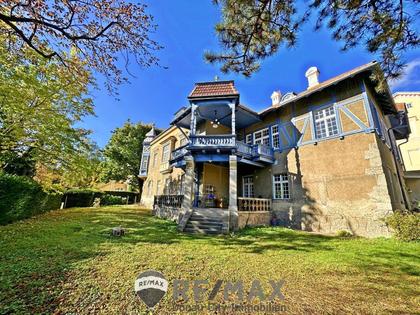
x: 200, y: 290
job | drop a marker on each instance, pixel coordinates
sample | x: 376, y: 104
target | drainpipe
x: 406, y: 203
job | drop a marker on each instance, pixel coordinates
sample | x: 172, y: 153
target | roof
x: 213, y: 89
x: 323, y: 85
x: 400, y: 107
x: 406, y: 93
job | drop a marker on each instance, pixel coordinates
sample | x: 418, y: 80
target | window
x: 157, y: 187
x: 145, y: 161
x: 248, y: 186
x: 182, y: 141
x: 275, y: 137
x: 166, y: 152
x: 155, y: 159
x: 325, y: 122
x: 409, y: 105
x: 248, y: 139
x: 149, y: 187
x: 262, y: 136
x: 281, y: 186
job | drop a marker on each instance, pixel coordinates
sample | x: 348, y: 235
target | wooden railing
x: 254, y: 204
x: 174, y: 201
x: 213, y: 141
x: 244, y: 148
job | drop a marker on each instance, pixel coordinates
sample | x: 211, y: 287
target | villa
x: 323, y: 160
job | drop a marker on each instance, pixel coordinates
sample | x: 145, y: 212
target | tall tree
x: 40, y: 103
x: 99, y: 31
x: 123, y: 153
x: 252, y: 30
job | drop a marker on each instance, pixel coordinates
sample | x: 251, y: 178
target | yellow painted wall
x: 156, y: 179
x: 411, y: 150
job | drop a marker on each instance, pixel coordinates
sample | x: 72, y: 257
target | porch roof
x: 244, y: 115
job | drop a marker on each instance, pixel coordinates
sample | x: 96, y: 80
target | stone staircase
x: 207, y: 221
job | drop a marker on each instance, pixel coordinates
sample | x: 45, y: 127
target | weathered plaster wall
x: 253, y: 218
x: 155, y: 181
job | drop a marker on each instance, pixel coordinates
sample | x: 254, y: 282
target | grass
x: 66, y: 262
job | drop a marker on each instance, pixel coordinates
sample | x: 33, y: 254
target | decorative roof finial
x: 216, y: 78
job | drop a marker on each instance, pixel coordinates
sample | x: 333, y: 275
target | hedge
x: 405, y: 225
x: 22, y: 197
x: 86, y: 197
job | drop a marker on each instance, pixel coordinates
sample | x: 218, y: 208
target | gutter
x: 406, y: 202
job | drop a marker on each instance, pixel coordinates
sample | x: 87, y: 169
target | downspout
x: 406, y: 203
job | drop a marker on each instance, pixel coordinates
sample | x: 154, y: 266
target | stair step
x: 203, y: 231
x: 204, y: 224
x: 199, y: 219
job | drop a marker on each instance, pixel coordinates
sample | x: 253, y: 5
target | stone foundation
x: 253, y: 218
x: 170, y: 213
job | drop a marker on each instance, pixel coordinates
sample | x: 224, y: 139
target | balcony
x: 213, y: 141
x: 223, y: 143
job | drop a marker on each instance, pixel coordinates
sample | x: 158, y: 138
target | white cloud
x: 410, y: 75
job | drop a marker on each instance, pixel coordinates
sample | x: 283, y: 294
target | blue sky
x: 186, y: 30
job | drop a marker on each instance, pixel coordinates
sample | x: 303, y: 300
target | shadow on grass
x: 39, y: 253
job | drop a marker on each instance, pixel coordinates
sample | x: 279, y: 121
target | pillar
x: 193, y: 125
x: 188, y: 183
x: 186, y: 207
x: 233, y: 121
x: 233, y: 193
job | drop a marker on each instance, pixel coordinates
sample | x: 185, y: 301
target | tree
x: 123, y: 153
x: 99, y: 31
x: 252, y: 30
x: 40, y: 103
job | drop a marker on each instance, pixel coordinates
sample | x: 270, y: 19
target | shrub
x: 406, y: 226
x: 22, y: 197
x: 108, y: 200
x: 344, y: 233
x: 81, y: 197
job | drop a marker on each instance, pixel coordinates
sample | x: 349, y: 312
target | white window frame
x: 248, y: 187
x: 166, y: 152
x: 248, y: 138
x: 281, y: 179
x: 324, y: 120
x: 260, y: 137
x: 275, y: 135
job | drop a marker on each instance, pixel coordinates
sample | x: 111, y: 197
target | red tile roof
x: 212, y: 89
x: 400, y: 107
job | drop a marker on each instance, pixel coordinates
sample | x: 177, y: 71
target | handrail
x: 254, y: 204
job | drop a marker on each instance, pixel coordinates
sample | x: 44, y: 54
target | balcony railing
x: 174, y: 201
x: 219, y: 141
x: 254, y: 204
x: 256, y: 152
x: 179, y: 152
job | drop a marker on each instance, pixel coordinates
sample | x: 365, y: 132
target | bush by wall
x: 406, y: 226
x: 21, y: 197
x: 86, y: 197
x: 108, y: 200
x: 81, y: 197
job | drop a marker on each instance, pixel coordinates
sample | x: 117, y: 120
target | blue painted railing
x: 259, y: 152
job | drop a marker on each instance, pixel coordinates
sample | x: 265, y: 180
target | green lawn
x: 66, y: 262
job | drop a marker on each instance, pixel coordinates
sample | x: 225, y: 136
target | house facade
x: 323, y: 160
x: 410, y: 148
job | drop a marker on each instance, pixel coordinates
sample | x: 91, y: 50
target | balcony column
x: 232, y: 107
x: 186, y: 207
x: 233, y: 193
x: 193, y: 125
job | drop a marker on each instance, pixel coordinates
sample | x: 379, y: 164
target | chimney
x: 312, y: 75
x: 275, y: 98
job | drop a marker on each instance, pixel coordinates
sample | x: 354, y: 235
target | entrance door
x: 248, y: 186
